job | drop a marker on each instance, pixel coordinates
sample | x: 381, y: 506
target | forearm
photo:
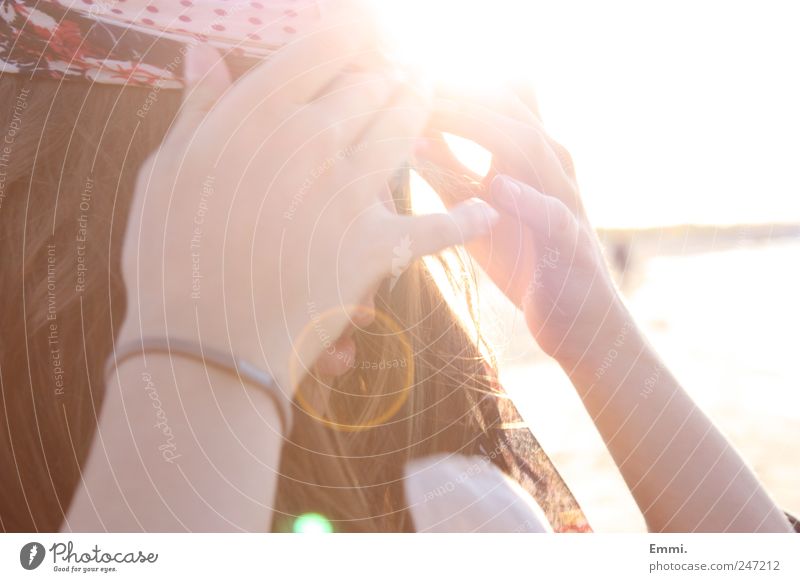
x: 179, y: 447
x: 682, y: 472
x: 546, y: 257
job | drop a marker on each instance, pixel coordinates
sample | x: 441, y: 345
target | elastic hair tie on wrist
x: 216, y: 358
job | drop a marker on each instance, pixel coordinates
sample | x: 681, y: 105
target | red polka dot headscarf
x: 141, y: 42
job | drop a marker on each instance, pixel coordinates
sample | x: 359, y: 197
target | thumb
x: 433, y: 233
x: 207, y: 80
x: 546, y: 216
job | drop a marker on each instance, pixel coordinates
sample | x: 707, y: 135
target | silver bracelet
x: 208, y: 356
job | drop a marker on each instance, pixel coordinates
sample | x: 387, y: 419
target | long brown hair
x: 71, y: 154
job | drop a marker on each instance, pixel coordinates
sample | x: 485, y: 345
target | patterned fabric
x: 793, y: 521
x: 511, y: 446
x: 141, y: 42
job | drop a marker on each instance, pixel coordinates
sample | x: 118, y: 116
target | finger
x: 501, y: 99
x: 519, y: 102
x: 207, y: 80
x: 524, y: 91
x: 300, y: 71
x: 518, y: 148
x: 385, y: 143
x: 546, y: 215
x: 563, y: 156
x: 502, y: 135
x: 433, y: 233
x: 527, y: 96
x: 405, y: 113
x: 352, y: 102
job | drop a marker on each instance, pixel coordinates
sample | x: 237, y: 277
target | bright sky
x: 675, y: 112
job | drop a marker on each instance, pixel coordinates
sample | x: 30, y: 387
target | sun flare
x: 461, y: 42
x: 674, y: 114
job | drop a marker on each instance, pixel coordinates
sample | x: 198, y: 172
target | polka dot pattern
x: 267, y: 22
x: 248, y: 30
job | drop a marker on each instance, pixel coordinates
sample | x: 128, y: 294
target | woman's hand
x: 543, y: 253
x: 261, y: 219
x: 682, y: 472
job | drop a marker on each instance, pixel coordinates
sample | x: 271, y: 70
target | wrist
x: 600, y: 345
x: 262, y: 351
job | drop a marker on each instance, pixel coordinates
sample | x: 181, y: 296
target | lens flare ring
x: 402, y: 394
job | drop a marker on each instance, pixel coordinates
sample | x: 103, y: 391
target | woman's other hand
x: 543, y: 252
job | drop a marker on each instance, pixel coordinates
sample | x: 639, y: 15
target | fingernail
x: 505, y: 192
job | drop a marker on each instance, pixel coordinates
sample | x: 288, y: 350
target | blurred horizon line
x: 692, y: 238
x: 756, y: 229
